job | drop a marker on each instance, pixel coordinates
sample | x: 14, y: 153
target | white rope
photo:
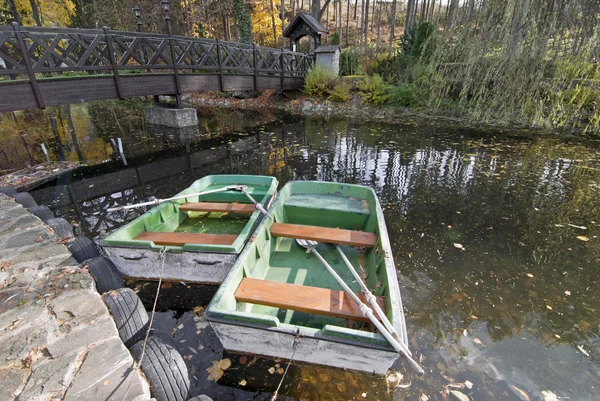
x: 296, y: 342
x: 161, y: 256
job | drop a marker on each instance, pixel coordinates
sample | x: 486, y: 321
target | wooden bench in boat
x: 325, y: 234
x: 301, y: 298
x: 180, y: 239
x: 245, y: 208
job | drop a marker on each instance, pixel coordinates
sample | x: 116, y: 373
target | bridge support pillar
x: 171, y: 117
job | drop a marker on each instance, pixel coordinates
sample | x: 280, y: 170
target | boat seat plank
x: 325, y: 234
x: 246, y: 208
x: 301, y: 298
x: 180, y: 239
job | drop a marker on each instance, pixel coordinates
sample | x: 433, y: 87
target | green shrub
x: 341, y: 92
x: 419, y: 43
x: 335, y: 38
x: 319, y: 81
x: 374, y: 90
x: 397, y: 68
x: 349, y: 63
x: 406, y: 95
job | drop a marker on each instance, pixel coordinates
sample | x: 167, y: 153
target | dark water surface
x: 494, y: 234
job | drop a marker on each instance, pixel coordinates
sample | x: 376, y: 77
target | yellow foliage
x: 56, y: 13
x: 262, y: 23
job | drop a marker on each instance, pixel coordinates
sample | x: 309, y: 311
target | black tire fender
x: 82, y: 248
x: 164, y: 369
x: 25, y: 199
x: 61, y: 227
x: 129, y: 314
x: 43, y: 212
x: 105, y: 273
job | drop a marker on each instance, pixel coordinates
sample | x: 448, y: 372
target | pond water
x: 494, y: 235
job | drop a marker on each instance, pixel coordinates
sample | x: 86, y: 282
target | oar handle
x: 372, y: 299
x: 403, y: 350
x: 127, y: 207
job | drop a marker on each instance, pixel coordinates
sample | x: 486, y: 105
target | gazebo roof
x: 309, y: 20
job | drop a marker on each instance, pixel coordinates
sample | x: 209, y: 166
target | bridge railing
x: 32, y: 53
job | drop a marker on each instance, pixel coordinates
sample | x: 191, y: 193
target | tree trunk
x: 361, y: 24
x: 378, y: 27
x: 70, y: 126
x: 14, y: 12
x: 410, y: 17
x: 347, y: 20
x: 392, y: 25
x: 273, y: 24
x: 282, y: 23
x: 373, y: 15
x: 35, y: 12
x: 340, y: 20
x: 315, y: 9
x: 366, y: 23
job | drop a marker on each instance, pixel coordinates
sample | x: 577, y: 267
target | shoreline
x: 299, y: 104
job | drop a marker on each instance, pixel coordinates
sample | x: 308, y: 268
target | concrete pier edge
x: 57, y: 338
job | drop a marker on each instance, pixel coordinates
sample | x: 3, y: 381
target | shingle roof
x: 310, y: 21
x: 327, y: 48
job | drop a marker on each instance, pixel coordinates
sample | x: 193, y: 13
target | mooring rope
x: 296, y: 342
x: 161, y: 256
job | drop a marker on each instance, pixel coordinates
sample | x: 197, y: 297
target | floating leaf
x: 243, y: 382
x: 549, y: 395
x: 521, y: 392
x: 468, y: 385
x: 529, y: 275
x: 271, y: 370
x: 218, y: 368
x: 458, y: 246
x: 477, y: 341
x: 582, y: 238
x: 567, y: 292
x: 548, y: 307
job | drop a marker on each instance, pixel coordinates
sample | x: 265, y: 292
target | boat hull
x: 319, y: 351
x: 189, y: 267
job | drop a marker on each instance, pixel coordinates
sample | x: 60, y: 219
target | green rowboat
x: 201, y: 235
x: 276, y: 292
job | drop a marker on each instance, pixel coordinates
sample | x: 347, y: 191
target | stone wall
x: 57, y: 339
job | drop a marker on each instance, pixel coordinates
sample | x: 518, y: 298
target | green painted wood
x: 169, y: 218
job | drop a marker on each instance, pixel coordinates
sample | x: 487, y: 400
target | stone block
x: 75, y: 309
x: 12, y: 381
x: 171, y: 117
x: 22, y: 330
x: 96, y: 332
x: 51, y: 377
x: 108, y: 373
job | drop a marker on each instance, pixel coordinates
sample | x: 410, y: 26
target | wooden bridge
x: 41, y: 67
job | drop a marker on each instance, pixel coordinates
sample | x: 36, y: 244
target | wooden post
x: 282, y: 65
x: 37, y: 93
x: 174, y: 60
x: 255, y: 58
x: 113, y: 61
x: 220, y: 66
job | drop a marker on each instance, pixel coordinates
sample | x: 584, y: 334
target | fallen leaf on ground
x: 582, y: 238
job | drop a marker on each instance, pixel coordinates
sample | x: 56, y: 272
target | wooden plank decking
x: 325, y: 234
x: 245, y: 208
x: 302, y: 298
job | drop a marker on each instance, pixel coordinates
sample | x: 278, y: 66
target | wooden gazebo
x: 302, y: 25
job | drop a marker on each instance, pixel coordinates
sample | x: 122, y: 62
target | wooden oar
x: 159, y: 201
x: 403, y: 350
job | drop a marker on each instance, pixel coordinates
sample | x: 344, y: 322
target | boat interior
x: 199, y: 222
x: 278, y: 282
